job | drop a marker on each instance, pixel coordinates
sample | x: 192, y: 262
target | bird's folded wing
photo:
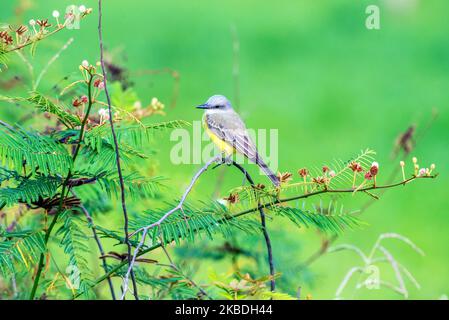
x: 233, y: 131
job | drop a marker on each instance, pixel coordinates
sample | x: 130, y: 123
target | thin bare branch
x: 183, y: 198
x: 116, y: 148
x: 264, y: 229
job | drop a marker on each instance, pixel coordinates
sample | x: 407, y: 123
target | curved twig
x: 145, y: 230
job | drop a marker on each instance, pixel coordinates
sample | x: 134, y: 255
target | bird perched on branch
x: 228, y: 132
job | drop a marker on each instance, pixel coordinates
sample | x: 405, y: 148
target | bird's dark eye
x: 217, y: 106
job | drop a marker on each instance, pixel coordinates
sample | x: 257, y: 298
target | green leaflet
x: 75, y: 245
x: 19, y: 148
x: 331, y: 223
x: 29, y: 190
x: 192, y: 222
x: 20, y: 249
x: 44, y: 104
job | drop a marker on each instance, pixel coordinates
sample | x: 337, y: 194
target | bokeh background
x: 313, y: 71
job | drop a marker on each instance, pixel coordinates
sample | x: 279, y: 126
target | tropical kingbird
x: 228, y: 132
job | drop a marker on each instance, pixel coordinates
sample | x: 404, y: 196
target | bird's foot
x: 227, y: 160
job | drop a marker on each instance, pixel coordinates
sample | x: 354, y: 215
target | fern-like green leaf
x: 170, y: 285
x: 19, y: 148
x: 29, y: 190
x: 131, y: 134
x: 192, y: 222
x: 75, y: 244
x: 331, y: 223
x: 343, y: 174
x: 343, y: 177
x: 136, y: 186
x: 3, y: 59
x: 46, y: 105
x: 6, y: 175
x: 19, y: 250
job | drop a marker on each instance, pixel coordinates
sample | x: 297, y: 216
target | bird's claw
x: 227, y: 160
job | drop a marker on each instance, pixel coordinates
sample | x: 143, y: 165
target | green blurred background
x: 315, y: 72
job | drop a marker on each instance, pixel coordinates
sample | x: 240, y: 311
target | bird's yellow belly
x: 222, y: 145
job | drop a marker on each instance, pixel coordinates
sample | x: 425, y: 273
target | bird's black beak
x: 203, y: 106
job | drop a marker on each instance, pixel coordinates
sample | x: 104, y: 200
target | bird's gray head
x: 216, y: 102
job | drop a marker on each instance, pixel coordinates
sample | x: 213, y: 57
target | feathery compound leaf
x: 20, y: 249
x: 29, y: 190
x: 75, y: 245
x: 116, y: 235
x: 136, y: 186
x: 19, y: 148
x: 6, y: 175
x: 3, y: 59
x: 167, y: 285
x: 44, y: 104
x: 343, y: 174
x: 96, y: 159
x: 191, y: 223
x: 343, y: 177
x: 133, y: 134
x: 332, y: 223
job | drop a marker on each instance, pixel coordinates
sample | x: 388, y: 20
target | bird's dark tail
x: 270, y: 174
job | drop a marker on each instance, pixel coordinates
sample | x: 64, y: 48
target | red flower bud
x: 97, y: 82
x: 355, y: 166
x: 76, y: 102
x: 374, y: 168
x: 303, y: 172
x: 368, y: 176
